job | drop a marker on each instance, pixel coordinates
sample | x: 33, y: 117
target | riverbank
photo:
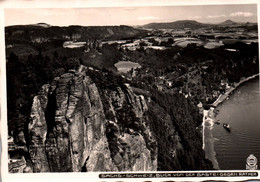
x: 209, y: 120
x: 223, y: 97
x: 208, y: 139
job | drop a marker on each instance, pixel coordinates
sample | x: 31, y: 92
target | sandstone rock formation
x: 89, y: 120
x: 68, y: 128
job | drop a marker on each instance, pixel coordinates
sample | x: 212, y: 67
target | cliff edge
x: 84, y: 120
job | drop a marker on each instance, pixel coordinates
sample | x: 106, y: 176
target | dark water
x: 242, y: 112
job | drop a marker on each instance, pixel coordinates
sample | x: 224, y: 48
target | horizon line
x: 216, y: 23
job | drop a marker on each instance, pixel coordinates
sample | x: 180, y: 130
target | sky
x: 130, y: 15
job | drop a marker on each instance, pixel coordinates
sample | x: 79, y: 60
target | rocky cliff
x: 68, y: 128
x: 87, y: 120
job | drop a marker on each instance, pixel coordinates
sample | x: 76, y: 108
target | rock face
x: 69, y: 132
x: 17, y: 165
x: 17, y: 162
x: 91, y: 120
x: 127, y: 134
x: 37, y: 132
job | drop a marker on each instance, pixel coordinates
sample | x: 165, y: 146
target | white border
x: 54, y: 177
x: 113, y: 3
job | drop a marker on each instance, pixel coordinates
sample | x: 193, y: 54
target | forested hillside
x: 72, y: 110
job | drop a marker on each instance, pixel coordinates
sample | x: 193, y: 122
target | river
x: 242, y: 112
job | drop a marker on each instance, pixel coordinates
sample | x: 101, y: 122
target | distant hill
x: 228, y: 22
x: 177, y: 25
x: 192, y: 24
x: 45, y: 25
x: 29, y: 39
x: 75, y: 32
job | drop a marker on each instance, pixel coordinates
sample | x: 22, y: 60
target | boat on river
x: 226, y: 126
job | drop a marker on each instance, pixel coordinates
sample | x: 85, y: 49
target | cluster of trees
x: 168, y: 123
x: 167, y: 43
x: 154, y: 42
x: 28, y: 31
x: 173, y: 63
x: 24, y: 80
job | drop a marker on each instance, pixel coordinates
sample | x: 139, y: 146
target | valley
x: 131, y: 98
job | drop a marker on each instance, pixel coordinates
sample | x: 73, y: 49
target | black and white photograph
x: 132, y: 89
